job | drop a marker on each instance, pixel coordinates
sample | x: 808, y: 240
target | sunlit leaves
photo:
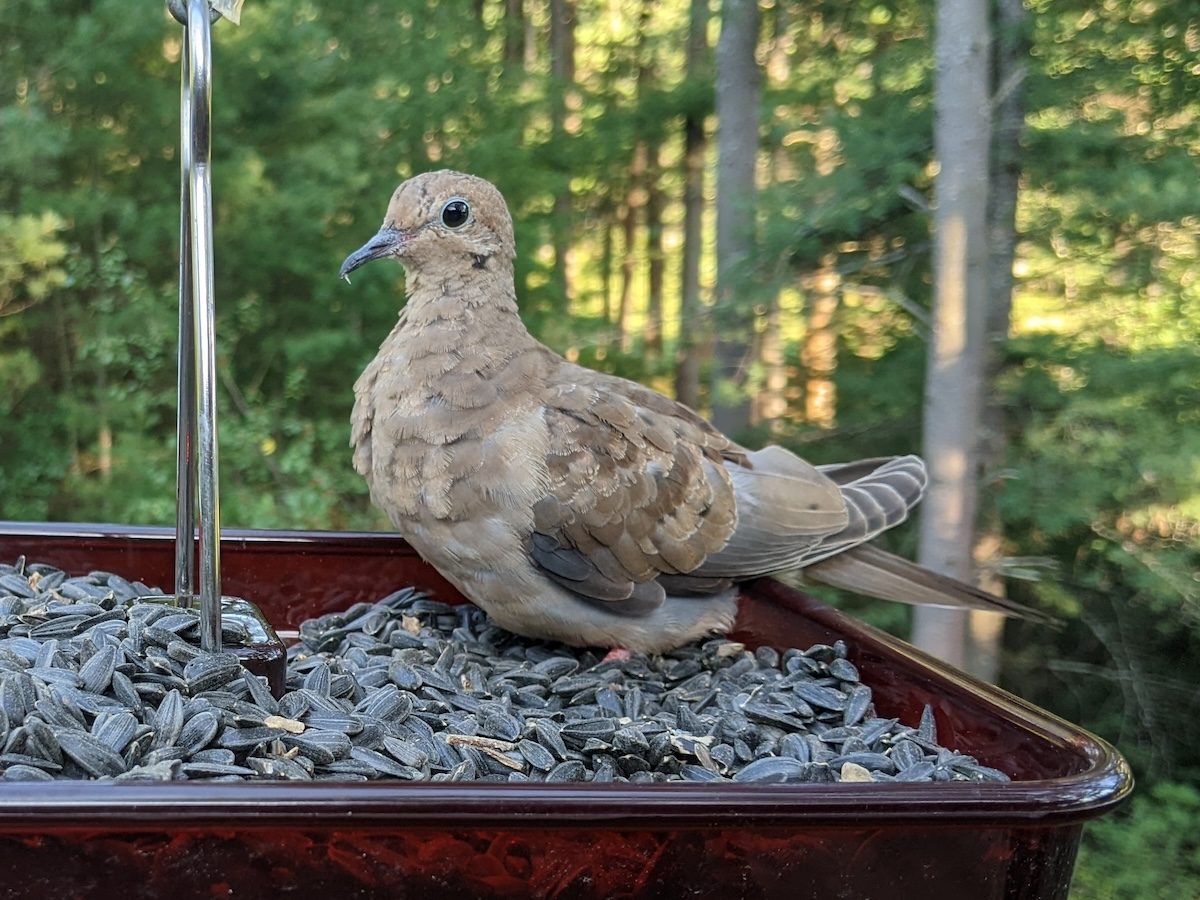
x: 31, y: 259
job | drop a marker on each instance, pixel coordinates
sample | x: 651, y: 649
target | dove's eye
x: 455, y: 214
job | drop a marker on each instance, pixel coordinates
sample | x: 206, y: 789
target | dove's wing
x: 647, y: 498
x: 637, y: 489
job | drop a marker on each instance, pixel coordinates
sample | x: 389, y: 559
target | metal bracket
x: 178, y: 9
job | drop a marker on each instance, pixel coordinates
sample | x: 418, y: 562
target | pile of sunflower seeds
x: 95, y: 684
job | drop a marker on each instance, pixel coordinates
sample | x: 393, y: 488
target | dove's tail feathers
x: 785, y: 507
x: 792, y: 514
x: 868, y: 570
x: 780, y: 493
x: 849, y: 472
x: 878, y: 493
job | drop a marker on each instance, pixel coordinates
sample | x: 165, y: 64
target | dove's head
x: 443, y: 219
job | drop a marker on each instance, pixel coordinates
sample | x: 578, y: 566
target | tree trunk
x: 66, y: 370
x: 628, y: 216
x: 770, y: 403
x: 1008, y: 109
x: 562, y: 71
x: 654, y: 253
x: 530, y: 47
x: 607, y: 255
x: 104, y: 435
x: 514, y: 32
x: 641, y: 172
x: 695, y: 144
x: 819, y: 351
x: 953, y: 377
x: 738, y: 90
x: 632, y: 210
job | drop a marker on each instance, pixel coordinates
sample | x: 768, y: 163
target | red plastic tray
x: 197, y: 840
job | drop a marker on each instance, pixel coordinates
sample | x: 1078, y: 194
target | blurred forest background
x: 598, y: 120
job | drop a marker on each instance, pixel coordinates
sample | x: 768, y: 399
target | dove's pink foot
x: 617, y: 654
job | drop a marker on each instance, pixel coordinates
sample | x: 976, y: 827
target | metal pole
x: 199, y: 53
x: 185, y: 430
x: 196, y: 486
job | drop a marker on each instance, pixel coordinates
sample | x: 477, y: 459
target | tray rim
x: 109, y: 806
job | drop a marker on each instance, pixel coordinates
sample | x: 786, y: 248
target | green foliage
x: 31, y: 259
x: 1150, y: 849
x: 1103, y: 479
x: 855, y: 140
x: 321, y: 108
x: 318, y: 112
x: 1102, y: 472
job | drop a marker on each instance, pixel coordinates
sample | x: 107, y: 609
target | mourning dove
x: 578, y: 506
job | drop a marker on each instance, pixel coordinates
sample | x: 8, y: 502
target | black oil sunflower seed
x: 94, y: 683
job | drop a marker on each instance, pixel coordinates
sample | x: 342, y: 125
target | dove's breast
x: 456, y: 470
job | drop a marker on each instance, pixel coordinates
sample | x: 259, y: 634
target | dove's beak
x: 387, y: 242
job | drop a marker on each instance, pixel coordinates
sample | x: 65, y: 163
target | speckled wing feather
x: 637, y: 489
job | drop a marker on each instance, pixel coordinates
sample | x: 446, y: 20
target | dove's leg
x: 617, y: 654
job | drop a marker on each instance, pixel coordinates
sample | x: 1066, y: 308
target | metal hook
x: 179, y: 11
x: 197, y: 399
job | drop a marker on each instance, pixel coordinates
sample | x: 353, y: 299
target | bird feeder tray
x: 193, y: 839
